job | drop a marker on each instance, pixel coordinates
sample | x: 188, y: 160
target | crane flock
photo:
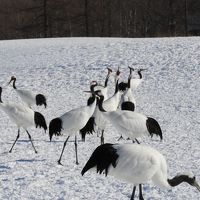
x: 130, y: 162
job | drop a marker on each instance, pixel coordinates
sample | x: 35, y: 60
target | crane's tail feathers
x: 88, y: 128
x: 153, y: 127
x: 102, y: 158
x: 40, y: 121
x: 122, y: 86
x: 55, y: 127
x: 128, y: 105
x: 41, y: 100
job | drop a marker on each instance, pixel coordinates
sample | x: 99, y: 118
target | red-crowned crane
x: 104, y: 89
x: 89, y: 128
x: 72, y: 121
x: 128, y: 101
x: 23, y: 117
x: 132, y: 124
x: 28, y: 97
x: 135, y: 82
x: 111, y: 104
x: 135, y: 164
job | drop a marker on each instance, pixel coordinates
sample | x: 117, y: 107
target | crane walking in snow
x: 28, y: 97
x: 89, y: 128
x: 104, y: 89
x: 23, y: 117
x: 132, y: 124
x: 134, y: 82
x: 72, y: 122
x: 110, y: 104
x: 135, y: 164
x: 128, y: 101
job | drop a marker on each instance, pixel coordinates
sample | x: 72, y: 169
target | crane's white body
x: 99, y: 119
x: 128, y: 96
x: 138, y: 164
x: 128, y: 123
x: 72, y: 122
x: 110, y: 104
x: 29, y: 98
x: 76, y: 119
x: 128, y: 93
x: 21, y: 115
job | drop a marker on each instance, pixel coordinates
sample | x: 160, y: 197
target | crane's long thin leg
x: 102, y: 137
x: 76, y: 151
x: 140, y: 192
x: 133, y: 193
x: 120, y: 138
x: 137, y: 141
x: 140, y: 186
x: 15, y: 141
x: 31, y: 141
x: 63, y: 150
x: 98, y: 132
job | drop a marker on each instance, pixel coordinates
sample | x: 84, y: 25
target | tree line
x: 98, y: 18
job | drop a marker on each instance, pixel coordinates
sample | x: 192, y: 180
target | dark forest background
x: 98, y: 18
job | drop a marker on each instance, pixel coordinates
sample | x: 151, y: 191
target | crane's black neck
x: 117, y: 86
x: 0, y: 95
x: 92, y: 88
x: 131, y: 69
x: 140, y: 74
x: 106, y: 81
x: 91, y: 99
x: 180, y: 179
x: 14, y: 86
x: 100, y: 103
x: 129, y: 81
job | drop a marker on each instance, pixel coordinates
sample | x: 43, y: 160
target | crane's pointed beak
x: 9, y: 82
x: 109, y: 70
x: 196, y: 185
x: 87, y: 91
x: 143, y: 69
x: 131, y: 68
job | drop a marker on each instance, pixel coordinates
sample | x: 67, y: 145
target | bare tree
x: 186, y: 17
x: 86, y: 18
x: 105, y: 18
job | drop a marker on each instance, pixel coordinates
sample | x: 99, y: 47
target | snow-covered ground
x: 62, y: 69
